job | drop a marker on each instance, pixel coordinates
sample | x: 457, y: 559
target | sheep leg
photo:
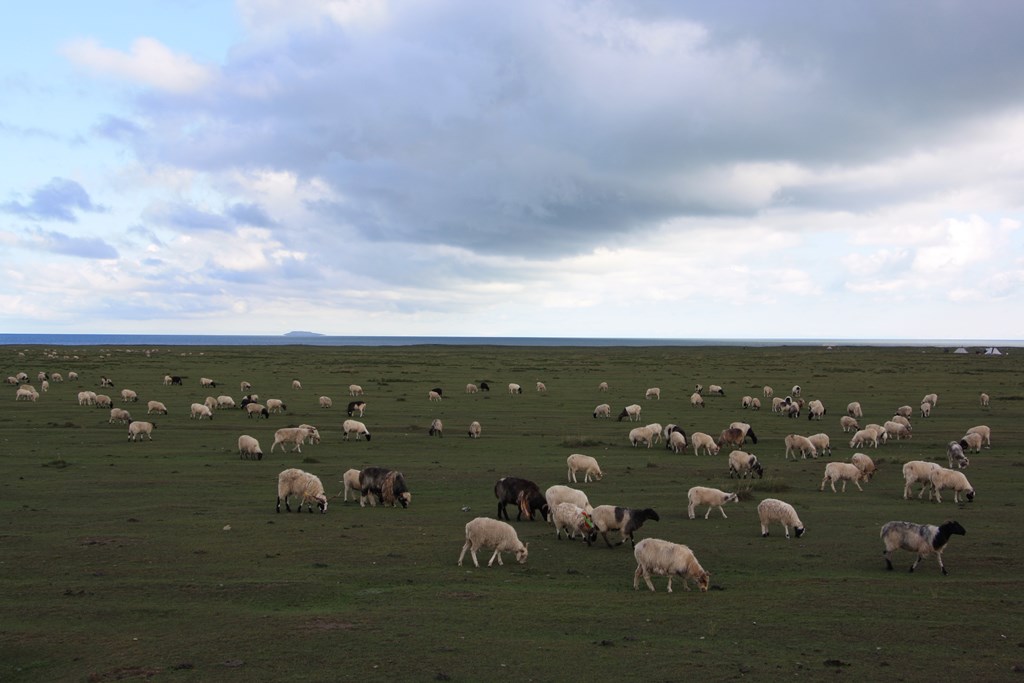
x: 938, y: 556
x: 497, y: 554
x: 844, y: 486
x: 721, y: 508
x: 859, y: 488
x: 887, y: 554
x: 916, y: 562
x: 465, y: 547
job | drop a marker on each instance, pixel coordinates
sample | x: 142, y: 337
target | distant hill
x: 302, y: 333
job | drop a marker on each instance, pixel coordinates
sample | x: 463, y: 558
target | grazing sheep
x: 104, y: 381
x: 865, y: 464
x: 225, y: 402
x: 698, y: 389
x: 800, y: 444
x: 755, y: 403
x: 748, y: 431
x: 353, y: 406
x: 119, y: 415
x: 713, y: 498
x: 926, y: 409
x: 778, y: 404
x: 484, y: 532
x: 257, y: 410
x: 815, y: 410
x: 985, y: 431
x: 848, y: 424
x: 356, y: 427
x: 387, y: 486
x: 716, y: 390
x: 312, y: 434
x: 351, y: 481
x: 541, y: 387
x: 474, y: 430
x: 290, y: 435
x: 731, y: 437
x: 918, y: 471
x: 26, y: 393
x: 655, y: 429
x: 603, y: 386
x: 746, y: 401
x: 472, y: 388
x: 56, y: 377
x: 955, y: 454
x: 433, y: 396
x: 563, y: 494
x: 206, y: 382
x: 742, y: 463
x: 86, y: 398
x: 355, y: 390
x: 905, y: 411
x: 249, y: 448
x: 308, y: 488
x: 931, y: 398
x: 137, y: 430
x: 640, y: 435
x: 941, y: 478
x: 625, y: 520
x: 514, y: 388
x: 677, y: 441
x: 664, y: 558
x: 72, y: 376
x: 198, y: 411
x: 793, y: 410
x: 821, y: 443
x: 129, y: 396
x: 326, y: 402
x: 588, y: 465
x: 701, y: 440
x: 854, y: 410
x: 984, y: 400
x: 573, y: 518
x: 436, y: 428
x: 210, y: 403
x: 603, y: 410
x: 103, y: 401
x: 296, y: 384
x: 795, y: 391
x: 522, y: 493
x: 244, y: 387
x: 768, y: 391
x: 774, y: 510
x: 484, y: 386
x: 896, y: 430
x: 972, y: 442
x: 653, y: 392
x: 923, y: 539
x: 276, y: 405
x: 863, y: 438
x: 438, y: 390
x: 44, y: 386
x: 631, y: 411
x: 844, y: 472
x: 696, y: 400
x: 156, y: 407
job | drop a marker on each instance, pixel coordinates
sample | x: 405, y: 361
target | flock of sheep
x: 569, y: 509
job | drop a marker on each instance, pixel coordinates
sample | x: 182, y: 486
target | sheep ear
x: 526, y: 545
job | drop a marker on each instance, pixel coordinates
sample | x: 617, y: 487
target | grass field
x: 165, y: 560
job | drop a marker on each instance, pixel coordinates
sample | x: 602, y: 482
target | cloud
x: 150, y: 64
x: 186, y: 217
x: 57, y: 200
x: 60, y: 243
x: 250, y: 214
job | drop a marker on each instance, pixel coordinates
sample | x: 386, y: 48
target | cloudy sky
x: 844, y: 169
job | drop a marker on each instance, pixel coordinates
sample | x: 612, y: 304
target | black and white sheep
x: 742, y: 463
x: 436, y: 428
x: 922, y: 539
x: 955, y: 454
x: 354, y: 406
x: 624, y: 520
x: 631, y: 411
x: 356, y: 427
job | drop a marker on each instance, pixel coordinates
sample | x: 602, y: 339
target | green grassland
x: 165, y: 560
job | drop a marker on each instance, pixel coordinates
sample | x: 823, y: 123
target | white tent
x: 993, y: 351
x: 961, y: 350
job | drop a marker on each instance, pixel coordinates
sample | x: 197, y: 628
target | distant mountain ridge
x: 302, y: 333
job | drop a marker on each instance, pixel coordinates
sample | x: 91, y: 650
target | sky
x: 538, y: 168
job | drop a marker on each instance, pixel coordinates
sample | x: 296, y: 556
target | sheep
x: 484, y: 532
x: 210, y: 403
x: 603, y: 410
x: 103, y: 401
x: 698, y: 389
x: 296, y: 384
x: 631, y: 411
x: 137, y: 430
x: 926, y: 409
x: 326, y: 402
x: 748, y: 431
x: 563, y: 494
x: 514, y: 389
x: 879, y: 431
x: 386, y: 485
x: 755, y: 403
x: 955, y: 455
x: 677, y: 441
x: 355, y: 390
x: 775, y: 510
x: 312, y: 433
x: 471, y: 388
x: 821, y: 442
x: 257, y: 410
x: 474, y: 430
x: 244, y: 387
x: 198, y: 411
x: 864, y: 437
x: 588, y: 465
x: 731, y: 437
x: 795, y: 391
x: 905, y: 411
x: 625, y: 520
x: 701, y: 440
x: 746, y: 401
x: 26, y: 393
x: 104, y: 381
x: 436, y: 428
x: 742, y: 463
x: 433, y: 396
x: 848, y: 424
x: 972, y: 442
x: 438, y: 390
x: 11, y: 379
x: 353, y: 406
x: 793, y: 410
x: 815, y: 410
x: 865, y: 464
x: 276, y: 405
x: 309, y: 489
x: 923, y: 539
x: 844, y: 472
x: 768, y: 391
x: 655, y: 430
x: 156, y: 407
x: 44, y: 386
x: 356, y: 427
x: 290, y: 435
x: 351, y: 481
x: 541, y: 387
x: 941, y: 478
x: 713, y: 498
x: 86, y: 398
x: 897, y: 430
x: 653, y: 392
x: 603, y: 386
x: 206, y: 382
x: 917, y: 471
x: 800, y: 444
x: 696, y: 400
x: 573, y: 518
x: 225, y: 401
x: 119, y: 415
x: 129, y: 396
x: 640, y: 435
x: 715, y: 389
x: 249, y: 448
x: 984, y: 400
x: 522, y: 493
x: 985, y: 431
x: 778, y: 404
x: 854, y: 410
x: 56, y: 377
x: 931, y: 398
x: 484, y: 386
x: 664, y: 558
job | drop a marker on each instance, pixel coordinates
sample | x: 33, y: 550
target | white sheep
x: 815, y: 410
x: 768, y: 391
x: 563, y: 494
x: 942, y: 478
x: 603, y: 386
x: 249, y: 448
x: 848, y: 424
x: 896, y: 430
x: 799, y: 444
x: 696, y: 400
x: 26, y: 393
x: 985, y: 431
x: 103, y: 401
x: 713, y: 498
x: 746, y: 401
x: 355, y: 390
x: 853, y: 409
x: 984, y: 400
x: 210, y: 403
x: 715, y: 389
x: 129, y: 396
x: 795, y: 391
x: 356, y: 427
x: 774, y: 510
x: 436, y: 428
x: 972, y: 441
x: 256, y: 410
x: 119, y: 415
x: 137, y: 430
x: 244, y: 387
x: 931, y: 398
x: 472, y: 388
x: 296, y: 384
x: 541, y: 387
x: 632, y: 412
x: 484, y: 532
x: 865, y: 464
x: 206, y: 382
x: 433, y: 396
x: 742, y: 463
x: 72, y: 376
x: 44, y: 386
x: 225, y: 401
x: 955, y: 455
x: 603, y: 410
x: 312, y: 433
x: 844, y: 472
x: 821, y: 443
x: 577, y: 462
x: 351, y: 481
x: 923, y: 539
x: 926, y: 409
x: 778, y: 404
x: 290, y: 435
x: 308, y: 488
x: 198, y: 411
x: 701, y: 440
x: 514, y: 389
x: 664, y: 558
x: 326, y: 402
x: 156, y: 407
x: 677, y: 440
x: 755, y: 403
x: 86, y: 398
x: 572, y: 518
x: 905, y: 411
x: 917, y: 471
x: 474, y: 430
x: 275, y: 405
x: 653, y: 392
x: 56, y: 377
